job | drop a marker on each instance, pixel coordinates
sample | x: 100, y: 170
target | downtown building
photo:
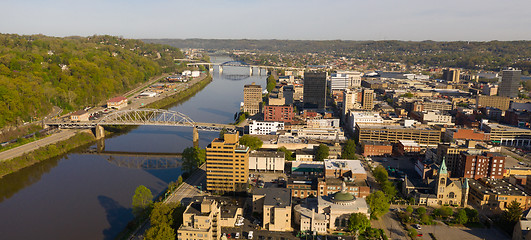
x: 345, y: 80
x: 314, y: 90
x: 252, y: 98
x: 227, y: 165
x: 510, y: 83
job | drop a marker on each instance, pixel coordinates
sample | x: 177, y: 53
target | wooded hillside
x: 37, y: 72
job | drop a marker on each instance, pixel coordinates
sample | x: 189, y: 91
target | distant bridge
x: 144, y: 116
x: 240, y: 64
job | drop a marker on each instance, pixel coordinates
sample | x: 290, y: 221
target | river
x: 84, y: 196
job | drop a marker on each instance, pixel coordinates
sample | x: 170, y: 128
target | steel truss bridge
x: 145, y: 116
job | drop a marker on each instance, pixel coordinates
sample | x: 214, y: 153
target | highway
x: 20, y: 150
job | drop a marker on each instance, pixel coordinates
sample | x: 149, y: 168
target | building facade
x: 227, y: 165
x: 265, y: 128
x: 424, y: 136
x: 376, y: 148
x: 275, y: 206
x: 510, y: 83
x: 267, y: 161
x: 481, y: 165
x: 451, y: 75
x: 499, y: 102
x: 252, y: 98
x: 367, y: 102
x: 315, y: 90
x: 278, y: 114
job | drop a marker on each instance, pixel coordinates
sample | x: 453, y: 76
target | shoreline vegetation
x: 85, y: 137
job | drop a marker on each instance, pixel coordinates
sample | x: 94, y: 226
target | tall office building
x: 252, y: 97
x: 367, y: 102
x: 451, y: 75
x: 227, y: 165
x: 510, y: 83
x: 314, y: 90
x: 344, y: 80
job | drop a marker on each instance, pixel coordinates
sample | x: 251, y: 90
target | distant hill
x: 37, y: 72
x: 491, y: 55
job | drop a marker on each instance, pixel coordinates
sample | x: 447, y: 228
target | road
x: 444, y: 232
x: 20, y: 150
x: 391, y: 226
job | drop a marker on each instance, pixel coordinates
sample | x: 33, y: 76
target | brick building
x: 376, y: 148
x: 279, y: 113
x: 480, y: 165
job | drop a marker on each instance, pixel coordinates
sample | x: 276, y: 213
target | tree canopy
x: 380, y: 174
x: 142, y: 199
x: 378, y: 203
x: 252, y: 142
x: 287, y: 153
x: 358, y: 222
x: 322, y: 152
x: 38, y: 72
x: 349, y: 150
x: 513, y: 212
x: 193, y: 157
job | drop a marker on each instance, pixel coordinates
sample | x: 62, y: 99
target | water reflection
x: 116, y: 215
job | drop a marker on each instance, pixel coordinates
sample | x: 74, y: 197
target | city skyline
x: 292, y: 20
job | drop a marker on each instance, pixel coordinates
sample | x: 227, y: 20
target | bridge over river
x: 144, y: 116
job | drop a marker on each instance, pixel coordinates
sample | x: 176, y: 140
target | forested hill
x: 470, y: 55
x: 37, y: 72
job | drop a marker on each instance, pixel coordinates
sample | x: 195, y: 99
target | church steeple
x: 443, y: 169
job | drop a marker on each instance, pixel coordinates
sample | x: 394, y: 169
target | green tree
x: 180, y: 180
x: 380, y: 174
x: 389, y: 189
x: 446, y: 211
x: 460, y: 216
x: 288, y: 154
x: 160, y: 232
x: 358, y: 222
x: 378, y: 203
x: 425, y: 218
x: 412, y: 233
x: 513, y: 212
x: 472, y: 215
x: 222, y: 133
x: 421, y: 210
x: 349, y: 150
x: 193, y: 157
x: 252, y: 142
x: 271, y: 83
x: 409, y: 209
x: 321, y: 153
x: 141, y: 200
x: 162, y: 214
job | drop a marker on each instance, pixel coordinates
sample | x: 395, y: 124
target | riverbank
x: 46, y: 152
x: 86, y: 137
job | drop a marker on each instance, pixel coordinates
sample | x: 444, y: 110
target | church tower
x: 464, y: 201
x: 442, y: 179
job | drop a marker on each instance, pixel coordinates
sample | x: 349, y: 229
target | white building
x: 363, y: 117
x: 196, y: 73
x: 186, y: 73
x: 323, y: 123
x: 345, y: 80
x: 148, y: 94
x: 265, y: 128
x: 320, y: 133
x: 435, y: 117
x: 332, y: 211
x: 266, y: 161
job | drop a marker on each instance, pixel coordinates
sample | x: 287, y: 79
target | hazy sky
x: 273, y: 19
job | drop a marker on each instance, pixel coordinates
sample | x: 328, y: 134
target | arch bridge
x: 144, y: 116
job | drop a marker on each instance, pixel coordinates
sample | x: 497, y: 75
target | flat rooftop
x: 353, y: 165
x: 496, y: 187
x: 277, y: 197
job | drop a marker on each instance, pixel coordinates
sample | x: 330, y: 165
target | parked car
x: 250, y: 235
x: 237, y: 236
x: 417, y: 226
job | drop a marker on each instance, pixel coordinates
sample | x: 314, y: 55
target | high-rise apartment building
x: 314, y: 90
x: 252, y: 98
x: 510, y: 83
x: 227, y: 165
x: 478, y: 165
x: 345, y: 80
x: 451, y: 75
x: 278, y: 113
x: 367, y: 102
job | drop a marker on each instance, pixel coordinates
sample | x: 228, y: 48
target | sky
x: 415, y: 20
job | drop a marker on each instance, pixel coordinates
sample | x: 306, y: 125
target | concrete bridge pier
x: 100, y: 144
x: 250, y: 71
x: 220, y: 69
x: 196, y: 137
x: 99, y: 132
x: 259, y: 71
